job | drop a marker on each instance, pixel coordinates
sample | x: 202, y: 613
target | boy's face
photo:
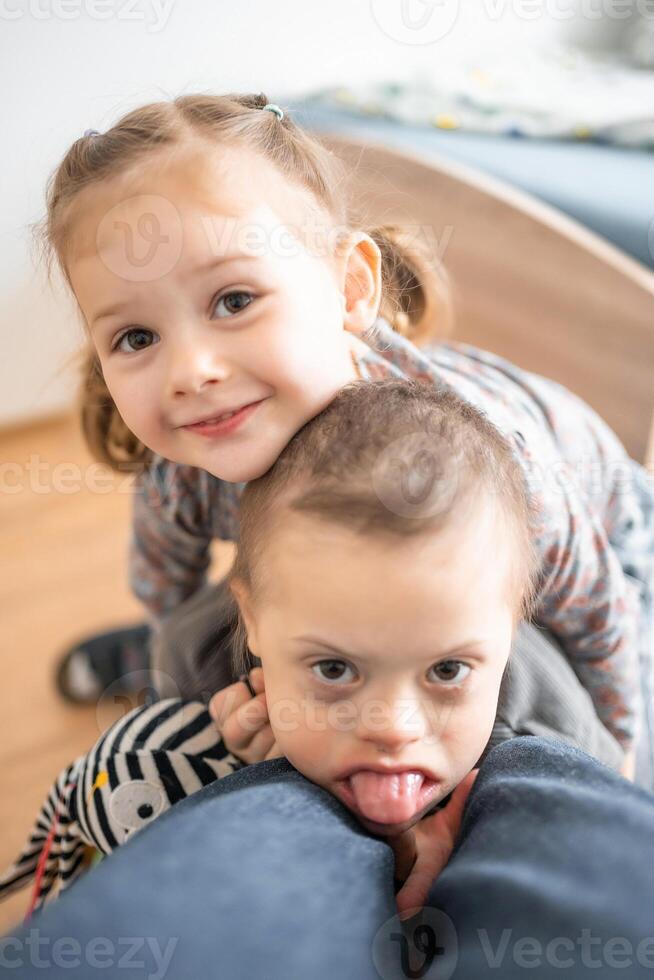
x: 208, y: 285
x: 383, y: 653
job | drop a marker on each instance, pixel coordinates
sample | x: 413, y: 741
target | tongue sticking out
x: 387, y: 797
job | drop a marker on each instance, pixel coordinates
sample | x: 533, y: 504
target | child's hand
x: 422, y: 852
x: 242, y: 720
x: 628, y: 767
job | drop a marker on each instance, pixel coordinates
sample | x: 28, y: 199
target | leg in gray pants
x: 540, y: 693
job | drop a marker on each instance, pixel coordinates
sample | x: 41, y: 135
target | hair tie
x: 91, y: 132
x: 274, y: 108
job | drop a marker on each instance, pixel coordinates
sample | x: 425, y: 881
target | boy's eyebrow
x: 201, y: 269
x: 468, y: 647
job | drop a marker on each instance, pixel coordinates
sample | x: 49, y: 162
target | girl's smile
x: 224, y: 422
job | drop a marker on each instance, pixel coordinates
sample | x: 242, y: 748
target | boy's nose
x: 390, y: 725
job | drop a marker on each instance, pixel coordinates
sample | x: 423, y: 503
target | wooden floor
x: 64, y: 575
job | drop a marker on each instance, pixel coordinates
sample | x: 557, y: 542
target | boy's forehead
x: 379, y: 598
x: 317, y: 565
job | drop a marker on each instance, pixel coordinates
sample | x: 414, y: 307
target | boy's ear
x: 243, y: 599
x: 361, y: 286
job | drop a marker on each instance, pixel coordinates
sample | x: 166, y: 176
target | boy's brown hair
x: 395, y: 458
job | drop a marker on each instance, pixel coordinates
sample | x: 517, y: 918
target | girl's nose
x: 195, y: 368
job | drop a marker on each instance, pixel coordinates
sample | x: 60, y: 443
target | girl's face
x: 383, y: 654
x: 208, y: 287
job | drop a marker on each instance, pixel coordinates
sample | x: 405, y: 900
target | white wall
x: 66, y: 66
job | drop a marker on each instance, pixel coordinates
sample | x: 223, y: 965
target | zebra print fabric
x: 141, y: 766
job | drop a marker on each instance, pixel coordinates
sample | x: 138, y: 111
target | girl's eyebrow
x: 216, y: 260
x: 109, y: 311
x: 199, y: 270
x: 468, y: 648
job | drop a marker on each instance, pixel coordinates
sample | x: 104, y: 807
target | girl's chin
x: 248, y: 464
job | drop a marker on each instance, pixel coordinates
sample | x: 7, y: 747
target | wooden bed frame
x: 529, y: 283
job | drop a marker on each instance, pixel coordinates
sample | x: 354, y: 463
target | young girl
x: 158, y: 225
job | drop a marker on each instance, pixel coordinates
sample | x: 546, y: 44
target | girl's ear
x: 243, y: 599
x: 361, y: 285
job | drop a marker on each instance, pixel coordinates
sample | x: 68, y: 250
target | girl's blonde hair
x: 415, y: 295
x: 356, y: 464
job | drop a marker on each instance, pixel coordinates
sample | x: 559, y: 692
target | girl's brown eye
x: 234, y: 307
x: 139, y: 339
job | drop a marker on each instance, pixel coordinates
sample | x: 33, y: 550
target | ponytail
x: 107, y: 437
x: 416, y: 298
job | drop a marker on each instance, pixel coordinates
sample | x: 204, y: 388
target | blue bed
x: 609, y: 189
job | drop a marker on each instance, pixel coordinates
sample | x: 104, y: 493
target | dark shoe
x: 88, y: 668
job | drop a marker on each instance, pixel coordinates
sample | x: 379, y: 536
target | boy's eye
x: 235, y: 304
x: 449, y: 671
x: 138, y: 338
x: 333, y: 669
